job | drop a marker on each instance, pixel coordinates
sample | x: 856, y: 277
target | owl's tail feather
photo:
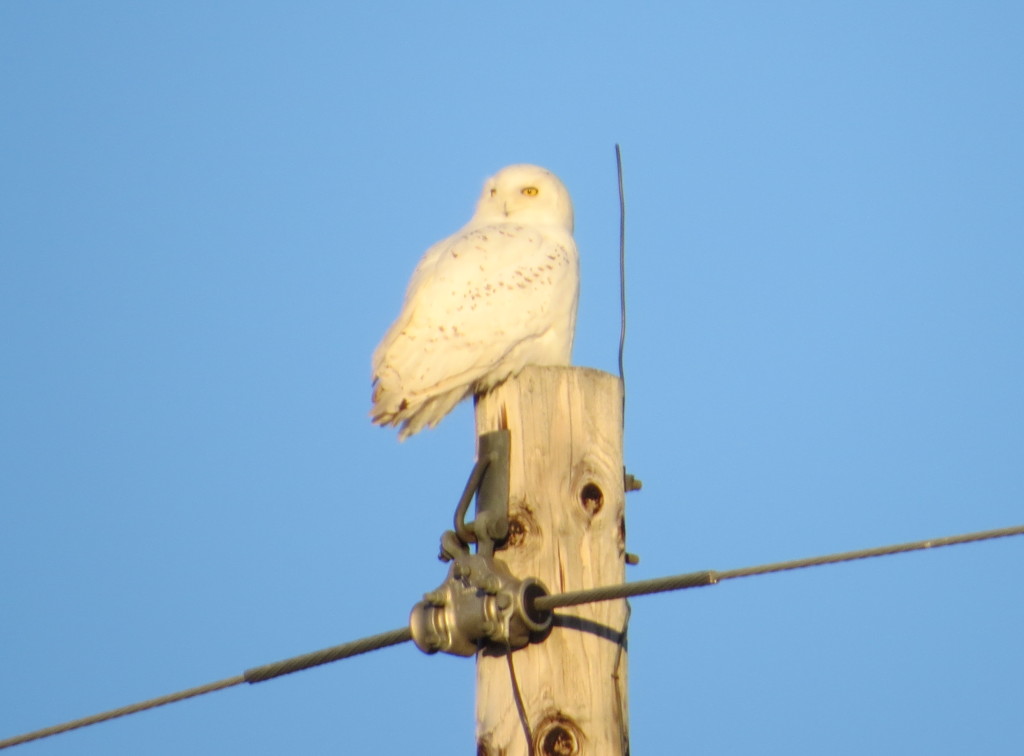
x: 412, y: 415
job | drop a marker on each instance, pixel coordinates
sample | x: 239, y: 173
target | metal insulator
x: 479, y: 605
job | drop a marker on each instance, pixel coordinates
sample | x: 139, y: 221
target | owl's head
x: 527, y: 194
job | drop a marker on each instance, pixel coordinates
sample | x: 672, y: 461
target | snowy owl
x: 482, y: 304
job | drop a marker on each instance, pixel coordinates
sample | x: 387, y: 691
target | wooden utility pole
x: 566, y: 510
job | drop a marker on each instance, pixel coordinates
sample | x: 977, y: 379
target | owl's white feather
x: 498, y: 295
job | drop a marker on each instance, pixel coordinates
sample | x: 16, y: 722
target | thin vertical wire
x: 517, y: 695
x: 623, y: 640
x: 622, y: 278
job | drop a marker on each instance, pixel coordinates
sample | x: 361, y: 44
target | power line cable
x: 328, y: 655
x: 254, y: 675
x: 712, y: 577
x: 122, y: 711
x: 543, y: 603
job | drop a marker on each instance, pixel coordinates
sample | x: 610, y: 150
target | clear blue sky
x: 208, y: 214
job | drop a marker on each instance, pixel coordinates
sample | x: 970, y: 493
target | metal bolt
x: 436, y: 598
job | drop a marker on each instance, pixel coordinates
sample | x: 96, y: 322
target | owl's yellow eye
x: 530, y: 191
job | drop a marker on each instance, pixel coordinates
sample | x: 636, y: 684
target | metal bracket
x: 480, y: 603
x: 489, y: 481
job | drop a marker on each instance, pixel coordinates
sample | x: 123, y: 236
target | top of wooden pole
x: 567, y: 694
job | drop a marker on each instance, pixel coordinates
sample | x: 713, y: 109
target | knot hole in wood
x: 591, y: 499
x: 557, y: 736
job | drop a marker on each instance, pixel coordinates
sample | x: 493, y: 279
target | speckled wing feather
x: 481, y: 305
